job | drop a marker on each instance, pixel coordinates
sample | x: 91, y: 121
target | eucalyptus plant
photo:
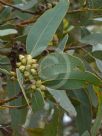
x: 50, y: 64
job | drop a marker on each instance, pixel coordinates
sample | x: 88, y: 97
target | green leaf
x: 84, y: 111
x: 58, y: 63
x: 62, y: 99
x: 4, y: 14
x: 97, y: 54
x: 18, y: 116
x: 4, y: 71
x: 52, y: 128
x: 7, y: 32
x: 72, y: 80
x: 43, y: 30
x: 20, y: 81
x: 27, y: 5
x: 98, y: 120
x: 37, y: 101
x: 86, y: 133
x: 62, y: 44
x: 92, y: 39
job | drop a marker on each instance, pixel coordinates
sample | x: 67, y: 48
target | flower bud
x: 23, y: 61
x: 34, y: 61
x: 22, y: 68
x: 29, y: 57
x: 49, y: 5
x: 33, y: 71
x: 12, y: 73
x: 38, y: 83
x: 42, y: 87
x: 18, y: 64
x: 21, y: 57
x: 33, y: 87
x: 26, y: 74
x: 35, y: 66
x: 13, y: 78
x: 28, y: 67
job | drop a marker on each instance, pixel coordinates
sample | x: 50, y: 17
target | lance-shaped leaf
x: 43, y: 30
x: 20, y: 81
x: 72, y: 80
x: 37, y: 101
x: 58, y: 63
x: 61, y: 97
x: 97, y: 124
x: 62, y: 44
x: 7, y: 32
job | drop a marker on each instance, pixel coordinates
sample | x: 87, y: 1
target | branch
x: 34, y: 13
x: 2, y: 102
x: 84, y: 10
x: 16, y: 8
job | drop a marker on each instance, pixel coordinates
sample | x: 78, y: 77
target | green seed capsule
x: 22, y: 68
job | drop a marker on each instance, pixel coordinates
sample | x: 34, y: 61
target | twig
x: 84, y: 10
x: 17, y: 8
x: 11, y: 99
x: 34, y: 13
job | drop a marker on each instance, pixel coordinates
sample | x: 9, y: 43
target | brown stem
x: 11, y: 99
x: 16, y: 8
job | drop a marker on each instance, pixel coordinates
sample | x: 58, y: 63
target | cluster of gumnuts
x: 45, y: 6
x: 29, y: 69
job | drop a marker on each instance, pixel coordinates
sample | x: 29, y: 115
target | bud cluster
x: 29, y: 68
x: 13, y: 75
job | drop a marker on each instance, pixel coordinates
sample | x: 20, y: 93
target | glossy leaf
x: 43, y: 30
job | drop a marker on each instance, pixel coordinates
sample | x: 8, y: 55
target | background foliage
x: 60, y: 42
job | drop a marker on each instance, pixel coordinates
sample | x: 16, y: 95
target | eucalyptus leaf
x: 62, y: 44
x: 37, y: 101
x: 92, y: 39
x: 86, y: 133
x: 72, y: 80
x: 20, y: 81
x: 7, y: 32
x: 58, y: 63
x: 61, y: 97
x: 43, y: 30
